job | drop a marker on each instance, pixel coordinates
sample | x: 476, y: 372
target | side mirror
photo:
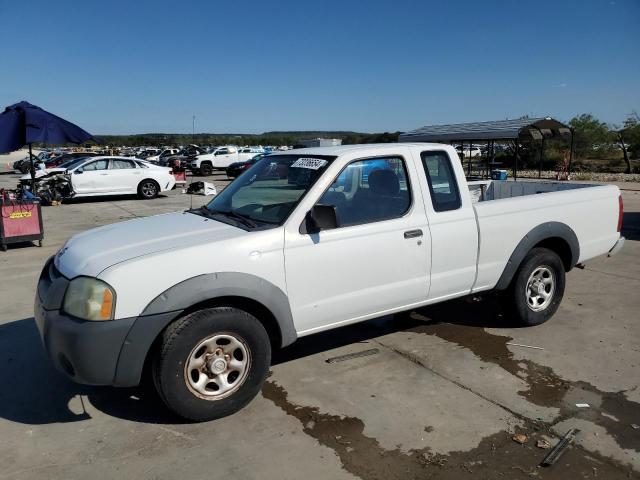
x: 78, y: 170
x: 320, y: 217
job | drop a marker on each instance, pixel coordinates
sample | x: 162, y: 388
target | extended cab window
x: 369, y: 191
x: 442, y: 181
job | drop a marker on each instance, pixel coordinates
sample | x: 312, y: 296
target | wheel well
x: 559, y: 246
x: 150, y: 180
x: 258, y: 310
x: 255, y: 308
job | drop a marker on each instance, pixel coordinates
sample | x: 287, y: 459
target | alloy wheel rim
x: 540, y: 288
x: 148, y: 189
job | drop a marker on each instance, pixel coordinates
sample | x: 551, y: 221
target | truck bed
x: 507, y: 211
x: 487, y: 190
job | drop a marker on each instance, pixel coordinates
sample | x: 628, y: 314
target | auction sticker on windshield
x: 310, y: 163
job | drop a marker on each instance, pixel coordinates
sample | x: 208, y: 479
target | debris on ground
x: 432, y: 459
x: 634, y: 426
x: 542, y: 443
x: 201, y: 188
x: 524, y: 346
x: 582, y: 405
x: 560, y: 447
x: 520, y: 438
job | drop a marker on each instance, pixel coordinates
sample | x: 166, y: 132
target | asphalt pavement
x: 442, y: 397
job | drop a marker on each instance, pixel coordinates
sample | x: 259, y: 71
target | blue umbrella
x: 23, y: 124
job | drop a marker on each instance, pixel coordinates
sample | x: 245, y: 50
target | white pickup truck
x: 305, y: 241
x: 220, y: 159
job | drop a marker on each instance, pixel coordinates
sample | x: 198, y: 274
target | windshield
x: 269, y: 191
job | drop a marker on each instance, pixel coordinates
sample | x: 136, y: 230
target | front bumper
x: 110, y: 352
x: 85, y: 351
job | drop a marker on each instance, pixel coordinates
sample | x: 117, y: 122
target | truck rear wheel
x: 211, y: 363
x: 537, y: 288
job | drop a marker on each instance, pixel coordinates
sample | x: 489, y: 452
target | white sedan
x: 95, y: 176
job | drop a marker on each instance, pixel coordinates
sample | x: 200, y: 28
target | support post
x: 469, y: 161
x: 515, y: 160
x: 32, y: 170
x: 541, y: 157
x: 573, y: 134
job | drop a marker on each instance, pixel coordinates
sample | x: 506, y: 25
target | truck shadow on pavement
x: 631, y: 225
x: 34, y: 393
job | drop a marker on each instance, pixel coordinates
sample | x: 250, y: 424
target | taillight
x: 620, y: 212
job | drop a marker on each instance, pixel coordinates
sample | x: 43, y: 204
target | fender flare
x: 167, y: 306
x: 227, y: 284
x: 542, y: 232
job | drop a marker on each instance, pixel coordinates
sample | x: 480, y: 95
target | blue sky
x: 244, y: 66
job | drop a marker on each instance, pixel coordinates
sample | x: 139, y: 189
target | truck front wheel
x: 206, y: 169
x: 211, y: 363
x: 537, y: 288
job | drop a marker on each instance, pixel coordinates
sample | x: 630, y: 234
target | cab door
x: 221, y: 158
x: 376, y: 260
x: 91, y: 178
x: 454, y: 231
x: 124, y: 176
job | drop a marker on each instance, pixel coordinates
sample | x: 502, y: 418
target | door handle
x: 413, y: 233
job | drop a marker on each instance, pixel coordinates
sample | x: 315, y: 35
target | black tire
x: 24, y: 168
x: 534, y: 306
x: 178, y: 345
x: 206, y: 169
x: 148, y: 189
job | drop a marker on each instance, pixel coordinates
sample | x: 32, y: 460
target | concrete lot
x: 441, y: 399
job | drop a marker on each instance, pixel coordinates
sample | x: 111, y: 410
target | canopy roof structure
x: 516, y: 131
x: 531, y: 128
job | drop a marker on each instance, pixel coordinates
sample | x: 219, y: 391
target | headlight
x: 90, y: 299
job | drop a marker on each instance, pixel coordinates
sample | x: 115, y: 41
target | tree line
x: 597, y: 145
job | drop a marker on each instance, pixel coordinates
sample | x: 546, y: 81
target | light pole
x: 193, y: 129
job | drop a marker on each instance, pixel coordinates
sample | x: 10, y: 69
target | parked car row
x: 101, y: 175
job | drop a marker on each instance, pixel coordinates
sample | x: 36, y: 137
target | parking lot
x: 441, y: 396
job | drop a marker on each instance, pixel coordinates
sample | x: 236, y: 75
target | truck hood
x: 91, y: 252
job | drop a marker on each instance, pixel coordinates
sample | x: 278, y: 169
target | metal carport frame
x: 500, y: 130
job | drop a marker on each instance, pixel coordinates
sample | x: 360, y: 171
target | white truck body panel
x: 353, y: 273
x: 590, y: 212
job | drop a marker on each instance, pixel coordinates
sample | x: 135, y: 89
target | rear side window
x: 445, y: 195
x: 117, y: 164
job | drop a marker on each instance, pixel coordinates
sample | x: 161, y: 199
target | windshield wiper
x: 236, y: 216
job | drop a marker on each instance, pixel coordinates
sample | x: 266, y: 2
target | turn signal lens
x: 89, y: 299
